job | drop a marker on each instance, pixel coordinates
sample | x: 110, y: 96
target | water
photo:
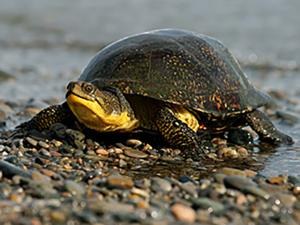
x: 44, y: 44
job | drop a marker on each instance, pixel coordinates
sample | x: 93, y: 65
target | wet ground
x: 45, y: 44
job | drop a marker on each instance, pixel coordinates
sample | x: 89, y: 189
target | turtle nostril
x: 70, y: 85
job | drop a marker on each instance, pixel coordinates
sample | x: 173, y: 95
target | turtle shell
x: 178, y: 67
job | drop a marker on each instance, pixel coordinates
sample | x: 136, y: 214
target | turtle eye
x: 88, y: 88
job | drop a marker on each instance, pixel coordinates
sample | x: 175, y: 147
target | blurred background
x: 44, y: 44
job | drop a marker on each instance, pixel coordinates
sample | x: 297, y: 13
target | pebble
x: 241, y: 199
x: 45, y: 152
x: 277, y: 180
x: 238, y: 182
x: 206, y: 203
x: 76, y: 189
x: 160, y: 185
x: 57, y: 217
x: 242, y: 152
x: 118, y: 181
x: 43, y: 144
x: 287, y: 200
x: 231, y: 171
x: 102, y: 151
x: 296, y: 190
x: 9, y: 170
x: 31, y: 141
x: 256, y: 191
x: 134, y: 143
x: 183, y: 213
x: 110, y: 207
x: 135, y: 153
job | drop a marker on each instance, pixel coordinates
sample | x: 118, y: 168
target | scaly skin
x: 47, y: 117
x: 179, y: 134
x: 266, y: 130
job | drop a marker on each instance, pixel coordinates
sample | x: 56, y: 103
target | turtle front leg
x: 266, y: 130
x: 47, y: 117
x: 178, y: 134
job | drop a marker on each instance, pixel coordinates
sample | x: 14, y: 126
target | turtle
x: 171, y: 81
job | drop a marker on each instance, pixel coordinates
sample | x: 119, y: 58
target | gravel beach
x: 67, y: 175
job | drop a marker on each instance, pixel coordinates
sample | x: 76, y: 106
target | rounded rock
x: 118, y: 181
x: 133, y: 143
x: 183, y: 213
x: 133, y: 153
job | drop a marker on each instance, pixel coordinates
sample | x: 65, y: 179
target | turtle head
x: 103, y: 109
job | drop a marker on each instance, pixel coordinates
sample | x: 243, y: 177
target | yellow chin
x: 93, y: 116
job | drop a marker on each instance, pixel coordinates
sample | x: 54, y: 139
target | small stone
x: 31, y: 141
x: 45, y: 152
x: 35, y: 221
x: 57, y: 216
x: 227, y: 152
x: 241, y: 199
x: 256, y: 191
x: 37, y: 176
x: 277, y: 180
x: 203, y: 216
x: 133, y: 143
x: 110, y: 207
x: 160, y: 185
x: 242, y: 152
x: 143, y: 205
x: 76, y: 189
x: 147, y: 147
x: 116, y: 150
x: 43, y: 144
x: 133, y: 153
x: 238, y: 182
x: 296, y: 190
x: 123, y: 163
x: 183, y: 213
x: 231, y: 171
x: 140, y: 192
x: 245, y: 185
x: 286, y: 199
x: 296, y: 215
x: 208, y: 204
x: 57, y: 143
x: 118, y: 181
x: 48, y: 173
x: 102, y: 151
x: 15, y: 197
x: 219, y: 142
x: 250, y: 173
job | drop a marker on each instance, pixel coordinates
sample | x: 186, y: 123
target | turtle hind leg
x: 266, y: 130
x: 178, y: 134
x: 47, y: 117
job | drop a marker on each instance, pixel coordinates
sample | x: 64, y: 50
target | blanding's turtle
x: 175, y: 82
